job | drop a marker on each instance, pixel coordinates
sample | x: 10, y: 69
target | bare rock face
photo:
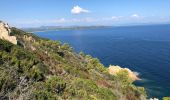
x: 5, y: 32
x: 114, y: 70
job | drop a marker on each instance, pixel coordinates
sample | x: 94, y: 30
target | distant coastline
x: 55, y: 28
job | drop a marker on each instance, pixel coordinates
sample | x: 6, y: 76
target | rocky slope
x: 42, y: 69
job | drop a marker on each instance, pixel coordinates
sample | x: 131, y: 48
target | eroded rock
x: 5, y: 33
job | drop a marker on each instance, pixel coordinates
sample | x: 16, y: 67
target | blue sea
x: 143, y: 49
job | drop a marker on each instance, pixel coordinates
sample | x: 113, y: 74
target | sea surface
x: 144, y: 49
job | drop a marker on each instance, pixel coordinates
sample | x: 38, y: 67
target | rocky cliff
x: 5, y: 33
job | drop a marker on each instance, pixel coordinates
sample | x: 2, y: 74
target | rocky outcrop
x: 5, y: 33
x: 114, y: 70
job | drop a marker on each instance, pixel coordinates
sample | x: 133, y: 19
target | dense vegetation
x: 42, y: 69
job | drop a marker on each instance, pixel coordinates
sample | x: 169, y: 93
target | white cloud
x: 135, y: 16
x: 61, y: 20
x: 116, y: 18
x: 78, y: 10
x: 83, y: 20
x: 71, y: 20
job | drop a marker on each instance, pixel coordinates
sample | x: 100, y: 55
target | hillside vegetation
x: 42, y: 69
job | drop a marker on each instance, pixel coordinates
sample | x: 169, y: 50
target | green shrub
x: 56, y: 84
x: 37, y: 72
x: 5, y: 46
x: 123, y: 77
x: 43, y: 95
x: 66, y: 46
x: 166, y: 98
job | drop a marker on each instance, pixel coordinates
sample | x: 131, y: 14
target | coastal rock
x: 114, y: 70
x: 5, y: 33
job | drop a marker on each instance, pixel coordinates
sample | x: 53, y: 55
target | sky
x: 35, y: 13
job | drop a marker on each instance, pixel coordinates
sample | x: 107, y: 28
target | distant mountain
x: 47, y: 28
